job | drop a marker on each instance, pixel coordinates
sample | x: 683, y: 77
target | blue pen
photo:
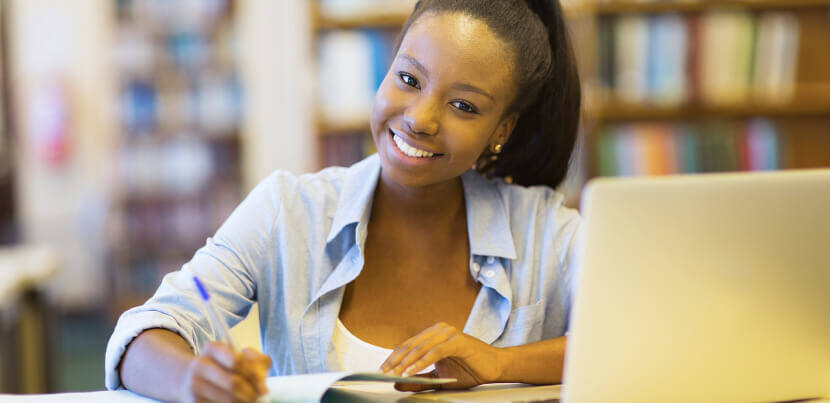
x: 224, y: 333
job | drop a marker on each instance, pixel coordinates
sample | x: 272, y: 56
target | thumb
x: 417, y: 387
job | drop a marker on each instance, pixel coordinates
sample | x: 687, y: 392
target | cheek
x: 387, y: 100
x: 470, y: 139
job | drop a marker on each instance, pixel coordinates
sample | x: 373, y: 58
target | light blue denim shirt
x: 295, y: 242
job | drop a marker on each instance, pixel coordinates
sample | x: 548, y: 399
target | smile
x: 409, y: 150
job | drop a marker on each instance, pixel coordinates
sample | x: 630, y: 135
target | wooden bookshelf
x: 620, y: 112
x: 329, y: 129
x: 631, y: 7
x: 388, y: 21
x: 396, y: 20
x: 800, y: 124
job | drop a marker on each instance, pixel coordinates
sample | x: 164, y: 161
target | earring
x: 496, y: 149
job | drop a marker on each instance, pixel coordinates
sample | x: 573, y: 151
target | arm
x: 159, y: 364
x: 539, y: 363
x: 230, y: 265
x: 155, y: 364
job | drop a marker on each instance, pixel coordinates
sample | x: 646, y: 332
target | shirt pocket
x: 524, y: 325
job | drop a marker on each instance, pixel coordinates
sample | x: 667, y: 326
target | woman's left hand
x: 456, y: 355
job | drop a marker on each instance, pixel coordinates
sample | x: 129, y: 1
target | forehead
x: 457, y: 47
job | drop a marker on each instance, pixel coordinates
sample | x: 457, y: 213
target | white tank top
x: 357, y: 355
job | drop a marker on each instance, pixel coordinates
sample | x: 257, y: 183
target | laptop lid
x: 703, y: 288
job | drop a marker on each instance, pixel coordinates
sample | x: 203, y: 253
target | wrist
x: 504, y: 357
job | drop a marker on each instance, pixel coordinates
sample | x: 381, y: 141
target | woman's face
x: 443, y: 101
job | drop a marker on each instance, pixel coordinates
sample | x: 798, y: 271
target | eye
x: 464, y: 106
x: 408, y: 80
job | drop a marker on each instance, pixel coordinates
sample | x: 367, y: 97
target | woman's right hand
x: 221, y: 375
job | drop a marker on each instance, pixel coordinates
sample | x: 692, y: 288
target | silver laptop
x: 704, y: 288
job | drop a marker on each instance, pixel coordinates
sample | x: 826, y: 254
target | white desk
x: 484, y: 394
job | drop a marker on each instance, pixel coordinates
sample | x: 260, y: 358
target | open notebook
x: 345, y: 387
x: 312, y: 387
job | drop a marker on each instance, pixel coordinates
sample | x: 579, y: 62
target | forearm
x: 155, y: 364
x: 539, y: 363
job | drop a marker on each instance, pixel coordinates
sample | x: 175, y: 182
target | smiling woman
x: 422, y: 257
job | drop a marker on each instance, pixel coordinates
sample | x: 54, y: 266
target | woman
x: 464, y: 274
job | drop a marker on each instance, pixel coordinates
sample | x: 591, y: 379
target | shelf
x: 620, y: 112
x: 346, y: 129
x: 628, y: 6
x: 398, y: 19
x: 390, y: 21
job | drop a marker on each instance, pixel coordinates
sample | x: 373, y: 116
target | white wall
x: 61, y: 203
x: 276, y: 69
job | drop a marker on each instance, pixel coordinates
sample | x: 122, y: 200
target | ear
x: 504, y: 130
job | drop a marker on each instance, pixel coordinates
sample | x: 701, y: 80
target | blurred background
x: 130, y: 129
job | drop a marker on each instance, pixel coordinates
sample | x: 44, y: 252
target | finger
x: 403, y: 349
x: 222, y: 354
x: 237, y: 386
x: 436, y: 345
x: 418, y: 387
x: 204, y: 391
x: 437, y: 353
x: 254, y: 366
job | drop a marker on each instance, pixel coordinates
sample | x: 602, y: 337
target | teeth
x: 409, y: 150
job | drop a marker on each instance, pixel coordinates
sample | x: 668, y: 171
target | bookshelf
x: 178, y: 151
x: 612, y: 7
x: 795, y: 110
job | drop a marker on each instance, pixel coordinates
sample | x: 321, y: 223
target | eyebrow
x: 456, y: 85
x: 417, y: 65
x: 472, y: 88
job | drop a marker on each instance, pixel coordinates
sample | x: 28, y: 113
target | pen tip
x: 201, y: 289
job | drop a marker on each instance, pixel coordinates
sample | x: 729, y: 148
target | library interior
x: 164, y: 114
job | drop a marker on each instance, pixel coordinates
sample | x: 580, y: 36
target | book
x: 312, y: 387
x: 631, y: 47
x: 725, y: 58
x: 776, y: 57
x: 712, y: 146
x: 667, y: 51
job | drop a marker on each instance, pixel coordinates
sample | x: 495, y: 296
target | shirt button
x: 490, y: 260
x: 476, y: 267
x: 489, y: 273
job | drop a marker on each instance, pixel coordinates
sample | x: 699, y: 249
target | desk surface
x: 483, y: 394
x: 356, y: 393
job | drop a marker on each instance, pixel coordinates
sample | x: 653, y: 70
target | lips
x: 410, y: 150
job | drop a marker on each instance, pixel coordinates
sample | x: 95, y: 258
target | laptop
x: 702, y: 288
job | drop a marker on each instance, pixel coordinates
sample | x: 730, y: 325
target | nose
x: 422, y: 117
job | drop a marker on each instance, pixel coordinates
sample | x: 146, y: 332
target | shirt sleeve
x: 228, y: 265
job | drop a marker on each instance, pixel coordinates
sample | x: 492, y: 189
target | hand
x: 456, y: 355
x: 221, y: 375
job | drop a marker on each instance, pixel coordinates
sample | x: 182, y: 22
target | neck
x: 434, y: 206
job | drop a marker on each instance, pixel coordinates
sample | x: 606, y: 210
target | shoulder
x: 321, y: 194
x: 283, y: 188
x: 538, y: 203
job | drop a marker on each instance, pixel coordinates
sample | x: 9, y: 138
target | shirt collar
x: 356, y: 195
x: 488, y: 222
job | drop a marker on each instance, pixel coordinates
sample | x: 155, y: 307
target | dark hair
x: 539, y: 149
